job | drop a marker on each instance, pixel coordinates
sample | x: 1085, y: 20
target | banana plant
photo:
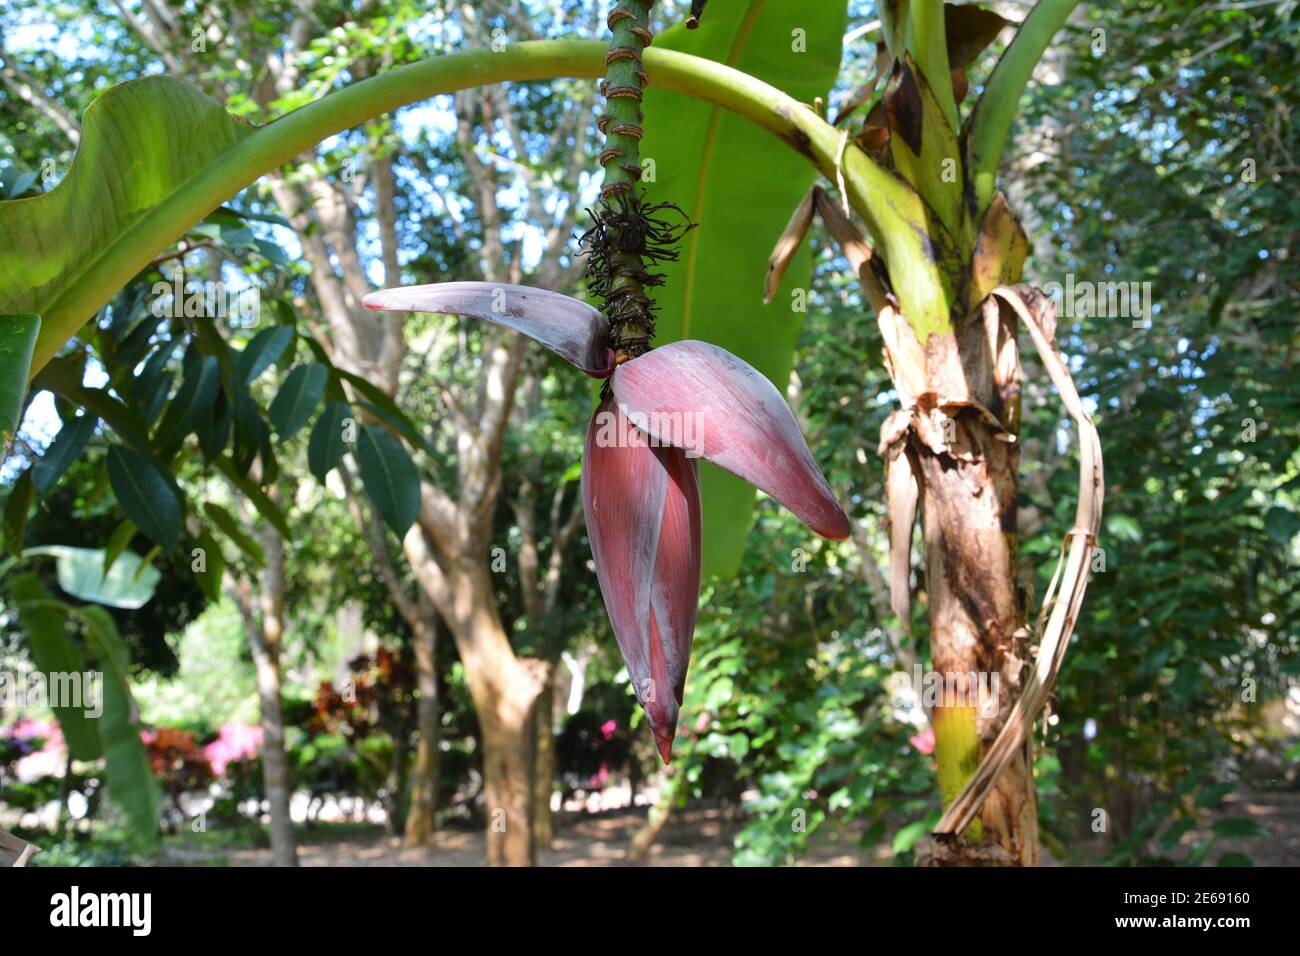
x: 940, y: 240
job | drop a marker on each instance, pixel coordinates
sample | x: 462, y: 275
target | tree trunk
x: 265, y: 643
x: 505, y: 689
x: 421, y: 818
x: 959, y: 433
x: 543, y: 829
x: 509, y: 751
x: 976, y: 625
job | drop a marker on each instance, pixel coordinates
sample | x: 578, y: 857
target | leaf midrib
x: 706, y: 159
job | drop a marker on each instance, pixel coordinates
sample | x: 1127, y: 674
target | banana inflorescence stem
x: 627, y: 236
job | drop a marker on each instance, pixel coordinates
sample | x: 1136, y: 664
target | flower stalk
x: 624, y: 239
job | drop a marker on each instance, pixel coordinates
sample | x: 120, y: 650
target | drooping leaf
x: 17, y: 506
x: 327, y: 446
x: 66, y: 448
x: 263, y: 350
x: 212, y: 568
x: 17, y: 340
x: 45, y: 625
x: 298, y: 398
x: 129, y: 583
x: 740, y: 184
x: 147, y: 495
x: 258, y: 498
x: 170, y: 131
x: 390, y: 478
x: 230, y: 527
x: 130, y: 779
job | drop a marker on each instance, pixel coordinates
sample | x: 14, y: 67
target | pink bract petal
x: 677, y: 569
x: 642, y: 507
x: 711, y: 403
x: 571, y: 329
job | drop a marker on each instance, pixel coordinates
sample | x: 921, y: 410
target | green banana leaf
x: 17, y: 340
x: 740, y: 184
x: 129, y: 583
x: 131, y: 782
x: 114, y: 731
x: 140, y: 143
x: 45, y: 622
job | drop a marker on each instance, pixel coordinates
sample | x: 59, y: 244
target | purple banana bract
x: 640, y: 478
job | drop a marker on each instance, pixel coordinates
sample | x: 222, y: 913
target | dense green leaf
x: 263, y: 350
x: 390, y: 478
x: 298, y: 398
x: 1239, y: 827
x: 66, y: 448
x: 147, y: 495
x: 327, y: 443
x: 192, y: 403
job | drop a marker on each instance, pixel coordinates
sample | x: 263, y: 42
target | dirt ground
x: 700, y: 837
x: 697, y: 837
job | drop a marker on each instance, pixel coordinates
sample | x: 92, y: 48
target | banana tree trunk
x: 977, y: 635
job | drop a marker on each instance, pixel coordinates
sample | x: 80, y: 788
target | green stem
x: 621, y: 158
x: 893, y: 213
x: 627, y: 305
x: 990, y: 123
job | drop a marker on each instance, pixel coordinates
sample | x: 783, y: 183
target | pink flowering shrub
x: 924, y: 741
x: 236, y: 741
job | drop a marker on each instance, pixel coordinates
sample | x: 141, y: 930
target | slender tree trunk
x: 421, y: 818
x: 543, y: 827
x: 264, y: 640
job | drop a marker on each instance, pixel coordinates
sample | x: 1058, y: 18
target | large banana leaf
x: 45, y: 622
x: 130, y: 779
x: 113, y: 732
x: 129, y: 583
x: 140, y: 143
x: 17, y: 340
x: 740, y: 184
